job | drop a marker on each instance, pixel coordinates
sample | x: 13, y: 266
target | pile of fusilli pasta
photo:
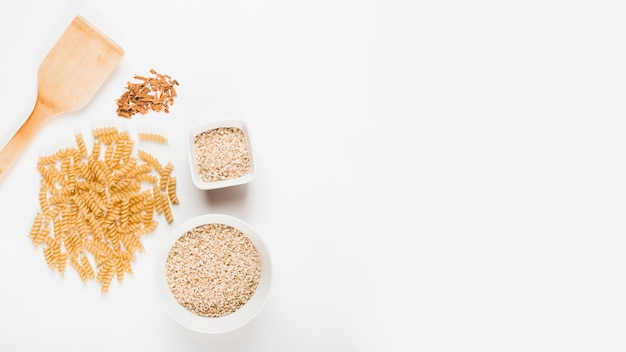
x: 96, y: 205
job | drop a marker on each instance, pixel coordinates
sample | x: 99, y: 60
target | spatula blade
x: 77, y: 65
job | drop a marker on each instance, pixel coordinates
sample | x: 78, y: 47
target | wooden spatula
x: 67, y: 79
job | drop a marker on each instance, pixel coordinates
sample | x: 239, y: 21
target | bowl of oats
x: 213, y: 273
x: 220, y: 154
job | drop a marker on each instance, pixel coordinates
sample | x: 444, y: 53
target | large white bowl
x: 228, y: 322
x: 191, y: 152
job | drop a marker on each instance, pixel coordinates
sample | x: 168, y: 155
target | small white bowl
x: 191, y: 151
x: 228, y: 322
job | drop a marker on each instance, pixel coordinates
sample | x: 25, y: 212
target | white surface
x: 229, y: 322
x: 431, y: 175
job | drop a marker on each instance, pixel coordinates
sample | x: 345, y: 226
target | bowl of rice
x: 220, y: 154
x: 213, y: 273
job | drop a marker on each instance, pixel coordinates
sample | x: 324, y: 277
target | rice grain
x: 222, y: 154
x: 213, y: 269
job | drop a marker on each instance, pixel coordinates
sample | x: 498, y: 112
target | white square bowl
x: 191, y: 151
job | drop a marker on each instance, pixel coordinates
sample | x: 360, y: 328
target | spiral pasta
x: 154, y: 137
x: 94, y: 207
x: 35, y: 229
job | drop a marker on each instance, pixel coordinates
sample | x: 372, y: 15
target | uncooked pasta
x: 155, y: 137
x: 94, y: 208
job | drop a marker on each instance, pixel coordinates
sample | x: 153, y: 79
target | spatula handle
x: 16, y: 146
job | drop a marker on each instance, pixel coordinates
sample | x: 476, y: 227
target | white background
x: 432, y: 175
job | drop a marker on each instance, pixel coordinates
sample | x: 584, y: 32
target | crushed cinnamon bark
x: 154, y: 93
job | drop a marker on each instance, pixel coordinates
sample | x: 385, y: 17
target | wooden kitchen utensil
x: 67, y: 79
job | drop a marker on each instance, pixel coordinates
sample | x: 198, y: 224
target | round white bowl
x: 228, y: 322
x: 191, y: 152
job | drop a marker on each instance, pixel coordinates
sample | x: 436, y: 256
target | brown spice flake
x: 155, y: 93
x: 213, y: 270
